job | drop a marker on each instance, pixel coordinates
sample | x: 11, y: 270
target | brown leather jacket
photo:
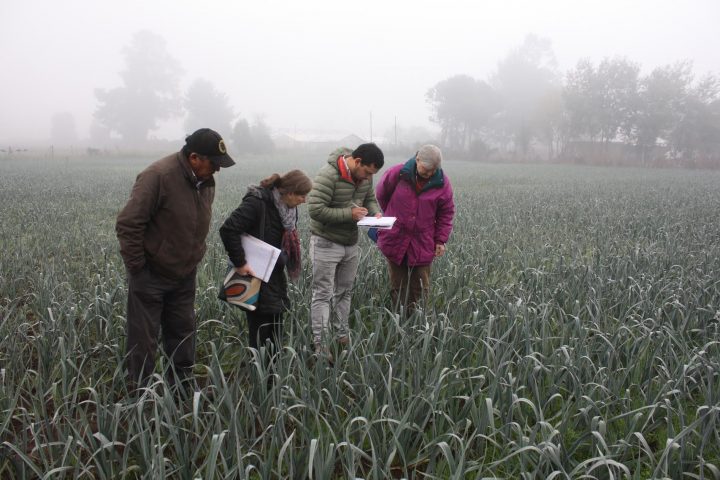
x: 166, y: 220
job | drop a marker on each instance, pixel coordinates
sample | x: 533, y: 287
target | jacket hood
x: 255, y: 191
x: 334, y: 160
x: 258, y: 191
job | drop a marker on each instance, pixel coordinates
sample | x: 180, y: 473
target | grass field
x: 573, y: 332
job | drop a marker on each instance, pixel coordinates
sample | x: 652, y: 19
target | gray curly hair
x: 430, y: 156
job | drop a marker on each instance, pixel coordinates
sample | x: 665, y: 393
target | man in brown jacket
x: 162, y: 232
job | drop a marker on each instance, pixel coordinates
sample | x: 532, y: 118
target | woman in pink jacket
x: 419, y: 194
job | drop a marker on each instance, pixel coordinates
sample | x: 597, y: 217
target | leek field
x: 573, y: 331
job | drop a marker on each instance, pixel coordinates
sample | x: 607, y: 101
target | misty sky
x: 320, y: 64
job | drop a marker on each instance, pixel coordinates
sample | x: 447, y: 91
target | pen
x: 354, y: 204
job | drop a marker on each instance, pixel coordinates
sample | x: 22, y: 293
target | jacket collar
x: 409, y: 171
x: 344, y: 170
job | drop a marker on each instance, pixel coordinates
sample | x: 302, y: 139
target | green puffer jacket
x: 330, y: 199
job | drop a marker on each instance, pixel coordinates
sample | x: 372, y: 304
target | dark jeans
x: 155, y: 304
x: 264, y: 327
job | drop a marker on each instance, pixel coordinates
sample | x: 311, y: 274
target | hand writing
x: 358, y: 213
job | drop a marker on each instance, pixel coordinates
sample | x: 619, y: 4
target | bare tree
x: 523, y: 79
x: 149, y: 92
x: 207, y: 107
x: 461, y: 106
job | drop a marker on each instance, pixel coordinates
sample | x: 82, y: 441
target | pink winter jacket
x: 423, y: 220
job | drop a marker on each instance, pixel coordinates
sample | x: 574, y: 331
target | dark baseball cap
x: 209, y: 143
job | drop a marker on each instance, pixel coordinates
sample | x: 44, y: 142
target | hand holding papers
x: 260, y: 256
x: 382, y: 223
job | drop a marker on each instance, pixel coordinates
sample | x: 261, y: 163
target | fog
x: 319, y: 65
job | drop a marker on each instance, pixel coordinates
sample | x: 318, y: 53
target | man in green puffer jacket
x: 342, y: 195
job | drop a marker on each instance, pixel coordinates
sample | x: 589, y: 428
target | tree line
x: 604, y: 113
x: 150, y: 93
x: 526, y: 110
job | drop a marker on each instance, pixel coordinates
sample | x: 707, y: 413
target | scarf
x: 290, y: 239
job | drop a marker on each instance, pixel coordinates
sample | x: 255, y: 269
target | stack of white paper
x: 260, y: 255
x: 382, y: 223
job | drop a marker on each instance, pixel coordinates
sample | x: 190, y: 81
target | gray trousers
x: 334, y: 269
x: 156, y: 304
